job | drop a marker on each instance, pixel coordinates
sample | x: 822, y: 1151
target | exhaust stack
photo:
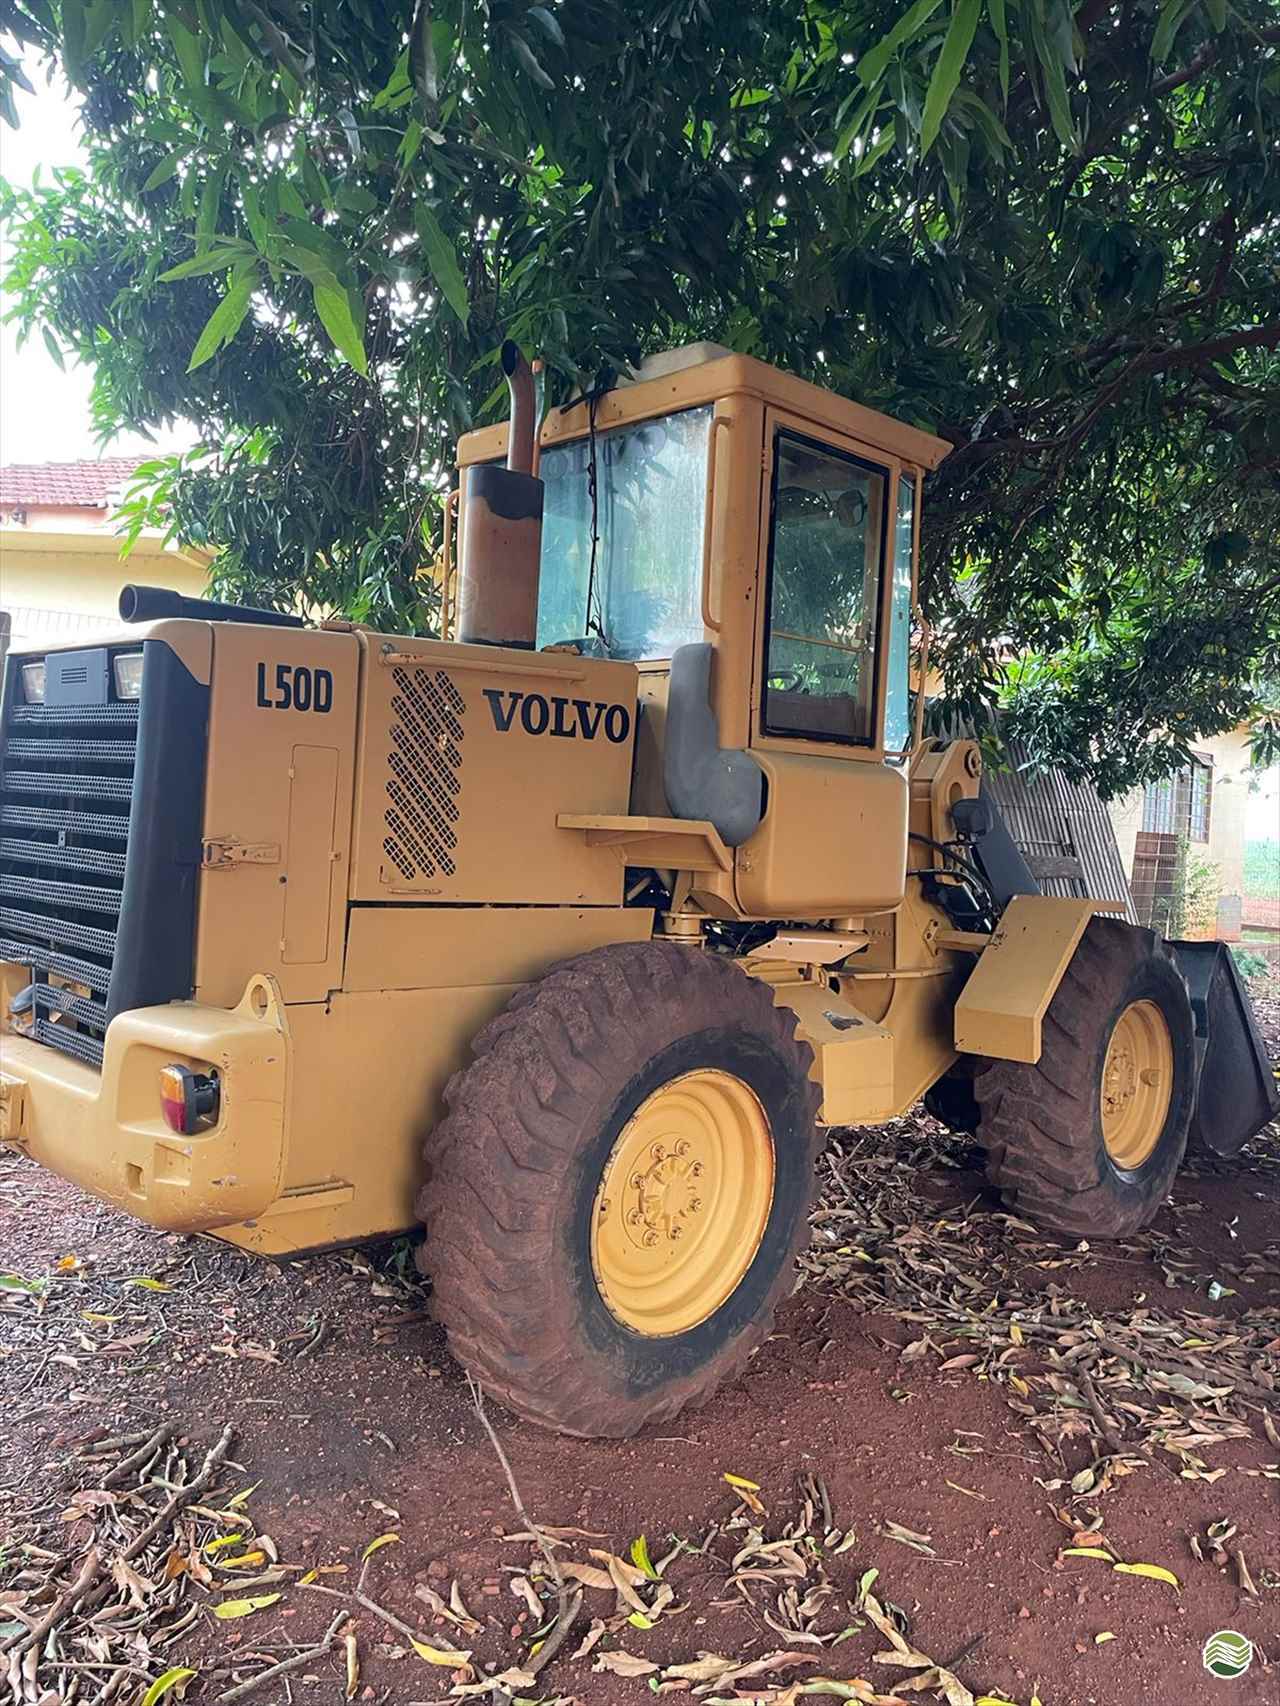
x: 502, y: 530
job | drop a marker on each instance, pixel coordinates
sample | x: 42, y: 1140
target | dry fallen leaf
x: 622, y: 1663
x: 1154, y: 1572
x: 245, y: 1607
x: 443, y: 1656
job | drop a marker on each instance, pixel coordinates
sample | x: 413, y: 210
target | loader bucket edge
x: 1237, y: 1092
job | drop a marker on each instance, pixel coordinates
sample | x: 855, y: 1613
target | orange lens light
x: 188, y: 1100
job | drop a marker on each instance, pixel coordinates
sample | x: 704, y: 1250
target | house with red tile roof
x: 60, y: 565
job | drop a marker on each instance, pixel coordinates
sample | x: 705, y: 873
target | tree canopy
x: 1050, y: 234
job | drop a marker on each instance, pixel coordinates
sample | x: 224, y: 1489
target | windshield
x: 644, y: 597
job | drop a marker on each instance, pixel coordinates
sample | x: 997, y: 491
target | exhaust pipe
x: 520, y: 433
x: 151, y: 603
x: 502, y: 530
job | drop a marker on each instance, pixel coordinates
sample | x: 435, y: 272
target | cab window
x: 825, y: 557
x: 623, y: 519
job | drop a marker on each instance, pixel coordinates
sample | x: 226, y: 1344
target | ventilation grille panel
x: 65, y: 816
x: 425, y: 775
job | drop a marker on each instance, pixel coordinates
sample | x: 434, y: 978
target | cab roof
x: 701, y: 374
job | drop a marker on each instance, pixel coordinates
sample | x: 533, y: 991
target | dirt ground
x: 952, y: 1400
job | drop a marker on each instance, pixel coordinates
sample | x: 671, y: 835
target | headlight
x: 33, y: 683
x: 127, y: 668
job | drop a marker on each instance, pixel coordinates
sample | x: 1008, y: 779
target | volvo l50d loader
x: 569, y: 935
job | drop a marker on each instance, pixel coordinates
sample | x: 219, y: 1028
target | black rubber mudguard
x: 1237, y: 1092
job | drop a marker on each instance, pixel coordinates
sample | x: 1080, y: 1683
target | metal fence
x: 1063, y: 831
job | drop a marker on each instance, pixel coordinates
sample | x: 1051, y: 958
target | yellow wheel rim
x: 683, y: 1203
x: 1137, y: 1084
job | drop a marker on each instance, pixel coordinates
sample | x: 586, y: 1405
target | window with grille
x: 1180, y: 804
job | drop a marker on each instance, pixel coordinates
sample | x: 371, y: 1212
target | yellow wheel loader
x: 569, y: 933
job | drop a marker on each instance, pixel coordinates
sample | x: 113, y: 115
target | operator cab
x: 749, y: 542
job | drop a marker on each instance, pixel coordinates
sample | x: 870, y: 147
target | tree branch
x: 1190, y: 71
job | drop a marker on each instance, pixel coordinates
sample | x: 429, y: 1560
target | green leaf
x: 290, y: 201
x: 525, y: 54
x: 171, y: 1679
x: 874, y: 154
x: 947, y: 71
x: 849, y: 135
x: 1055, y: 81
x: 1217, y: 10
x: 255, y: 219
x: 410, y: 143
x: 210, y: 203
x: 166, y: 169
x: 548, y: 23
x: 52, y: 345
x: 1173, y: 15
x: 872, y: 65
x: 999, y: 23
x: 226, y: 319
x: 333, y: 305
x: 442, y: 258
x: 229, y: 252
x: 73, y: 37
x: 188, y: 49
x: 422, y: 56
x: 641, y: 1559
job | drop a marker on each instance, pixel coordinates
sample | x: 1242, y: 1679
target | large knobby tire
x: 1089, y: 1139
x: 525, y: 1238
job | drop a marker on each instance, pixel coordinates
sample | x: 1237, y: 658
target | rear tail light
x: 188, y: 1100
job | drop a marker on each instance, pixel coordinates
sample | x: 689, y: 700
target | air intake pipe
x: 502, y: 530
x: 150, y: 603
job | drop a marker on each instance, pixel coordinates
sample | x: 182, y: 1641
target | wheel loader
x: 568, y: 935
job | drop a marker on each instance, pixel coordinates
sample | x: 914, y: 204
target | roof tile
x: 85, y: 485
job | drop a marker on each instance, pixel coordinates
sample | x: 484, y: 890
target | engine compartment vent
x: 425, y: 781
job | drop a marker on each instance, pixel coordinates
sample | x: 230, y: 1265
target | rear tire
x: 530, y: 1226
x: 1088, y: 1140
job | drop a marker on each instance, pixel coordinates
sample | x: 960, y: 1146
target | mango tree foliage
x: 1049, y: 233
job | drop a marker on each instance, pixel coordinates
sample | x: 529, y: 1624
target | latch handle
x: 224, y: 852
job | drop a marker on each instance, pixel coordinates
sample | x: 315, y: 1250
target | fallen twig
x: 88, y: 1575
x: 544, y: 1545
x: 145, y: 1452
x: 307, y: 1657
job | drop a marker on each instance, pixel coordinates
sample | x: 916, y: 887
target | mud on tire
x: 1042, y: 1125
x: 513, y: 1169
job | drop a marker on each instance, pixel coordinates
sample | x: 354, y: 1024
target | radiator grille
x: 425, y: 763
x: 65, y: 796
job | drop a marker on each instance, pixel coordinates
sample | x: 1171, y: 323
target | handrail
x: 708, y: 524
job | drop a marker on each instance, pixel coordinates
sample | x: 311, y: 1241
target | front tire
x: 1088, y: 1140
x: 616, y: 1197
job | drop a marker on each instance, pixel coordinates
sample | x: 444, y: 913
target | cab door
x: 833, y: 840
